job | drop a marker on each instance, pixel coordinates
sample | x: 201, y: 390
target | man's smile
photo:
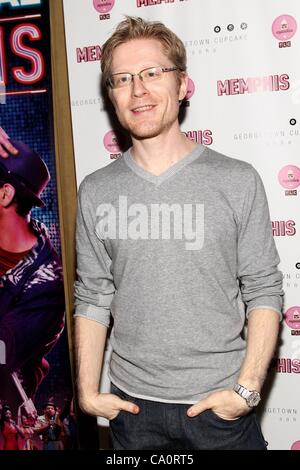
x: 142, y: 109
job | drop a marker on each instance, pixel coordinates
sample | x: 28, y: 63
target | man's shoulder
x: 220, y: 161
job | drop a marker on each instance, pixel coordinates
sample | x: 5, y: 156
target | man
x: 174, y: 239
x: 50, y: 427
x: 31, y: 284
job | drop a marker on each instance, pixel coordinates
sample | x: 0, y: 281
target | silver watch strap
x: 243, y: 391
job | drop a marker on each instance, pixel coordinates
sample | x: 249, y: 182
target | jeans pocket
x: 119, y: 415
x: 124, y: 396
x: 259, y: 430
x: 223, y: 420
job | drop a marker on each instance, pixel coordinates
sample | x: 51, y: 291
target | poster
x: 36, y: 404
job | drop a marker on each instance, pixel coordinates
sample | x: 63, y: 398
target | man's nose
x: 138, y: 86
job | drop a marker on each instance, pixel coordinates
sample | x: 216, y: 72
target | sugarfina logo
x: 296, y: 446
x: 88, y: 54
x: 190, y: 89
x: 283, y: 228
x: 284, y: 27
x: 111, y: 142
x: 200, y: 137
x: 190, y: 92
x: 292, y: 319
x: 289, y: 178
x: 116, y: 142
x: 240, y: 86
x: 104, y: 7
x: 139, y: 221
x: 285, y: 365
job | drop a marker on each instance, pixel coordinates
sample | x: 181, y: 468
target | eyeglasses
x: 122, y: 80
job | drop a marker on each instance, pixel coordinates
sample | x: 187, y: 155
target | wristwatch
x: 252, y: 397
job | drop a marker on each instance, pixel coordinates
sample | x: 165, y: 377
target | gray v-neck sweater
x: 179, y: 260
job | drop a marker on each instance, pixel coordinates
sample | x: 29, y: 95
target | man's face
x: 50, y: 411
x: 146, y: 110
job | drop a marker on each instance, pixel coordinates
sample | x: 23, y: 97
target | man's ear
x: 183, y: 85
x: 7, y: 194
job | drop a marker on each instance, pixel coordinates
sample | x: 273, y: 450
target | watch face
x: 253, y: 399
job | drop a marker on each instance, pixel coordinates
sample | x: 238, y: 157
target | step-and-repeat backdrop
x: 243, y: 101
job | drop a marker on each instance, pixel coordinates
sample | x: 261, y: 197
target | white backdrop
x: 243, y: 61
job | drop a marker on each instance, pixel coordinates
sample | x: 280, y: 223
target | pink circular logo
x: 190, y: 89
x: 289, y: 177
x: 112, y: 141
x: 292, y: 318
x: 296, y: 446
x: 103, y: 6
x: 284, y: 27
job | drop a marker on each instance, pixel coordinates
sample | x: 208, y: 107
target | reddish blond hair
x: 138, y: 28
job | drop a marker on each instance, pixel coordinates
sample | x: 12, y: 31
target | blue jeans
x: 160, y: 426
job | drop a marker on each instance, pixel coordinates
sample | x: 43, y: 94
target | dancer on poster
x: 10, y: 430
x: 32, y: 291
x: 50, y: 428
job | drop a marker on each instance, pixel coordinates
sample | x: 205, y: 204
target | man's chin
x: 145, y: 136
x: 140, y: 133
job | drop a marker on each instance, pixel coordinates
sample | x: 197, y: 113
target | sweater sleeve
x: 258, y: 259
x: 94, y: 287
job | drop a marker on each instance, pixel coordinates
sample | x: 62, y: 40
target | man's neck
x: 159, y: 153
x: 16, y: 234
